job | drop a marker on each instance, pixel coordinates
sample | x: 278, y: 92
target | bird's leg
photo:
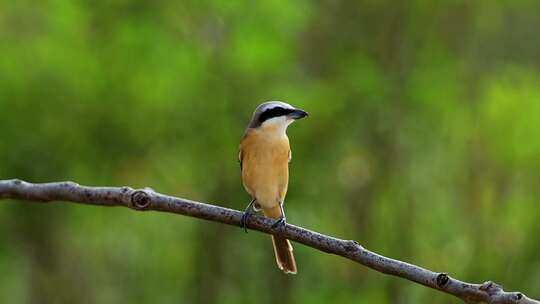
x: 282, y: 220
x: 247, y: 213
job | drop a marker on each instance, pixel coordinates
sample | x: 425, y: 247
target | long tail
x: 283, y: 249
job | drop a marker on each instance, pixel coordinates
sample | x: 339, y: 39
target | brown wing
x: 240, y: 157
x: 290, y: 155
x: 240, y: 153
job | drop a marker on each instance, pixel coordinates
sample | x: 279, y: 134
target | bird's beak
x: 298, y: 114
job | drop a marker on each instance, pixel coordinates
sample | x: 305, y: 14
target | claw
x: 280, y: 223
x: 246, y: 215
x: 243, y: 221
x: 282, y: 220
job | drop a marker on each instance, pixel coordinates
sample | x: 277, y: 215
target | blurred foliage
x: 423, y: 144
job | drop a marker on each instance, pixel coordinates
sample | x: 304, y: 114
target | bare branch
x: 147, y: 199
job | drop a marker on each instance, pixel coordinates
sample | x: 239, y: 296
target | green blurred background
x: 423, y: 144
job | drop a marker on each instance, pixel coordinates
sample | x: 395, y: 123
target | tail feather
x: 283, y: 249
x: 284, y: 254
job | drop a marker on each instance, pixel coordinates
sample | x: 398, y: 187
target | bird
x: 264, y: 161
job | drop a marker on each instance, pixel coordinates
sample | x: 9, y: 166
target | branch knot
x: 442, y: 279
x: 490, y: 287
x: 352, y: 245
x: 140, y: 200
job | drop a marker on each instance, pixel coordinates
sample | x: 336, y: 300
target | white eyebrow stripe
x: 277, y: 104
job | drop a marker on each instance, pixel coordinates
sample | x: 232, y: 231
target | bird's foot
x: 244, y: 219
x: 280, y: 223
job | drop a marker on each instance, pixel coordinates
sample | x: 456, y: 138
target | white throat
x: 277, y: 126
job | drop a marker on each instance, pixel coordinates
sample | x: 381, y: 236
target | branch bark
x: 147, y: 199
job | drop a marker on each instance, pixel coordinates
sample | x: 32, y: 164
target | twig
x: 147, y: 199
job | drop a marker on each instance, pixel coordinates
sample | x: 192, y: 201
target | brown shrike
x: 264, y: 160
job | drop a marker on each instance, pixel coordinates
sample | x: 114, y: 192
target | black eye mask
x: 274, y: 112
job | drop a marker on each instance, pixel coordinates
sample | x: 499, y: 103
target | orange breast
x: 265, y: 167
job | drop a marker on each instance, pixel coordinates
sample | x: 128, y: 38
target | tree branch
x: 147, y: 199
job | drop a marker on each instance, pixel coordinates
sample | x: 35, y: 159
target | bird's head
x: 275, y: 115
